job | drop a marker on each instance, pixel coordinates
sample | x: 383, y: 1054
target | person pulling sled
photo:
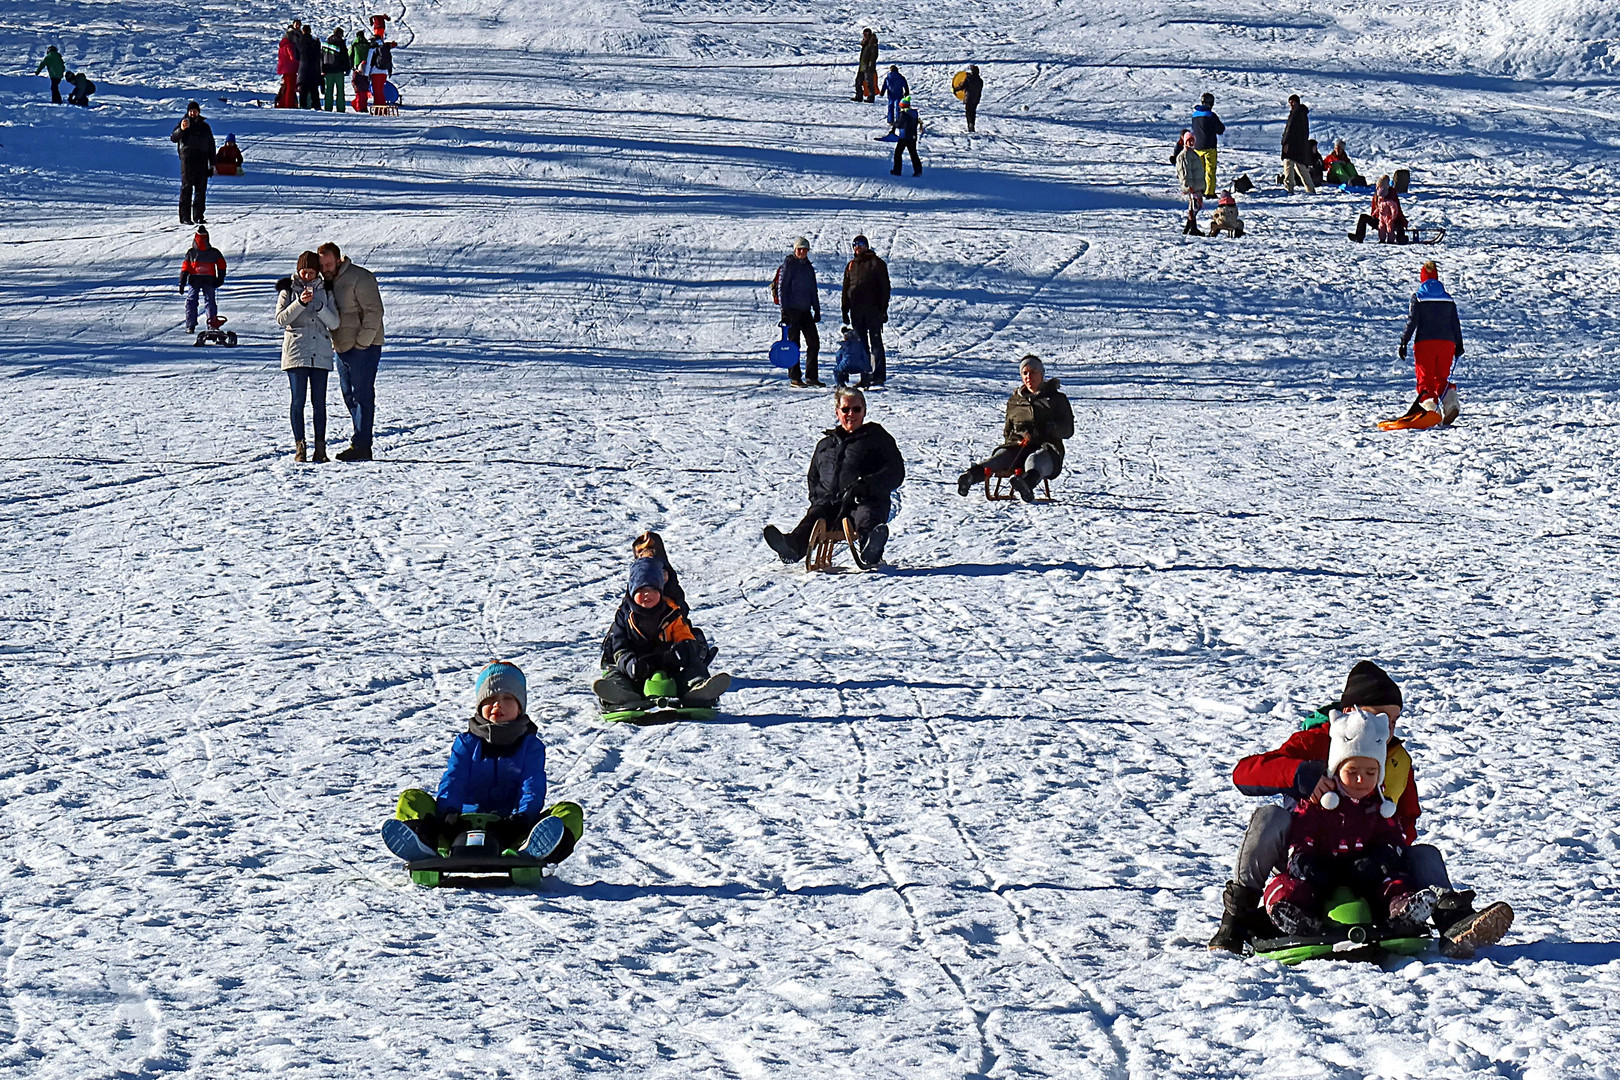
x: 201, y: 274
x: 1435, y: 333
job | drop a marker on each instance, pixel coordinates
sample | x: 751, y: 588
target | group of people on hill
x: 313, y: 71
x: 864, y: 307
x: 79, y: 85
x: 905, y: 125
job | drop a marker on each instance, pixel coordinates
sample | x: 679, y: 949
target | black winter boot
x: 782, y: 545
x: 1238, y: 902
x: 966, y: 482
x: 357, y: 451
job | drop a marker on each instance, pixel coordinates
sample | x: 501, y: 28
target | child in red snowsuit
x: 1348, y: 836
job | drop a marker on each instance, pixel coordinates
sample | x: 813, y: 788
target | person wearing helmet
x: 910, y: 127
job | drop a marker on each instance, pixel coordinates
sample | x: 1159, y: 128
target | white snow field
x: 966, y: 816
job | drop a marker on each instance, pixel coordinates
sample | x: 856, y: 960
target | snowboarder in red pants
x: 1435, y: 333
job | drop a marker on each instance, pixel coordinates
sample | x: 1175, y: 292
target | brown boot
x: 320, y: 452
x: 299, y: 453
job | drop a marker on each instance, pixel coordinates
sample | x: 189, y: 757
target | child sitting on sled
x: 649, y: 545
x: 228, y: 161
x: 497, y: 766
x: 652, y: 634
x: 1347, y: 835
x: 1226, y: 218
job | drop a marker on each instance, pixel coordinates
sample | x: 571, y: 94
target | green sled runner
x: 1352, y: 935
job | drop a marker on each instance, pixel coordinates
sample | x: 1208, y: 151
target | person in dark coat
x: 866, y: 304
x: 972, y: 90
x: 1207, y: 129
x: 1297, y: 148
x: 1038, y: 420
x: 794, y: 290
x: 309, y: 70
x: 866, y: 79
x: 909, y: 127
x: 335, y: 65
x: 1435, y: 333
x: 853, y: 473
x: 195, y: 140
x: 82, y: 88
x: 651, y: 634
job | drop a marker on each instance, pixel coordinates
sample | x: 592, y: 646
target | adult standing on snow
x: 1207, y: 129
x: 895, y: 87
x: 379, y: 66
x: 56, y: 67
x: 1435, y: 333
x: 1038, y: 420
x: 972, y: 90
x: 287, y: 69
x: 335, y: 64
x: 910, y: 128
x: 853, y: 473
x: 1297, y: 148
x: 358, y: 341
x: 309, y: 70
x: 195, y: 140
x: 866, y: 79
x: 306, y: 311
x: 866, y: 304
x: 794, y: 291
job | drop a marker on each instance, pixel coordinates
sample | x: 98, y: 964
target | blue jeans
x: 357, y: 377
x: 311, y: 381
x: 207, y: 294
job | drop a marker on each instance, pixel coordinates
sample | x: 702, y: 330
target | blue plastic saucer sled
x: 785, y: 353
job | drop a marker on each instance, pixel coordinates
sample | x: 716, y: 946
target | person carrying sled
x: 81, y: 90
x: 854, y: 472
x: 866, y: 79
x: 909, y: 128
x: 972, y: 91
x: 55, y: 67
x: 1435, y: 334
x: 895, y: 87
x: 194, y: 140
x: 1297, y: 770
x: 335, y: 64
x: 1386, y: 216
x: 307, y: 313
x: 651, y: 634
x: 202, y: 272
x: 228, y: 158
x: 1190, y: 175
x: 497, y: 766
x: 287, y: 69
x: 1297, y: 148
x: 793, y: 290
x: 1038, y: 420
x: 1345, y: 835
x: 866, y: 304
x: 1207, y: 130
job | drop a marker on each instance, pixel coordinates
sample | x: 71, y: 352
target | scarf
x: 507, y: 734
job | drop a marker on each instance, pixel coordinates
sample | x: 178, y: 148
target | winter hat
x: 501, y: 678
x: 1429, y: 272
x: 645, y: 573
x: 1031, y: 361
x: 801, y: 242
x: 230, y: 138
x: 861, y: 242
x: 1358, y: 734
x: 190, y: 105
x: 1369, y: 685
x: 1226, y: 199
x: 905, y: 102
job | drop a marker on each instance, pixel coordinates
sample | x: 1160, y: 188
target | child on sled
x: 651, y: 634
x: 497, y: 766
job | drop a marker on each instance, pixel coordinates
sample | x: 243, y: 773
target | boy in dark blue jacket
x: 651, y: 634
x: 497, y: 766
x: 909, y: 128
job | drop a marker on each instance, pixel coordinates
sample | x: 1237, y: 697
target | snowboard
x: 957, y: 82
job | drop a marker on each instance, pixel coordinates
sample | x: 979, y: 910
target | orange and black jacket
x: 643, y: 632
x: 204, y: 268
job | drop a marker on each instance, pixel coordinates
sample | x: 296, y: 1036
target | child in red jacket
x: 1347, y: 835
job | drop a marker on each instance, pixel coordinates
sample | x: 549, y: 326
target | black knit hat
x: 1369, y: 684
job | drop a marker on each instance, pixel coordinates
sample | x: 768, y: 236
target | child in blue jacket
x: 497, y: 766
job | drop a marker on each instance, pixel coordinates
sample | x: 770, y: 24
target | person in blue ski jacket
x: 794, y: 291
x: 895, y: 87
x: 910, y: 127
x: 1207, y: 129
x: 497, y: 766
x: 1435, y: 333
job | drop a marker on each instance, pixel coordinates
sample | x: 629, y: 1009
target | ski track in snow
x: 968, y: 816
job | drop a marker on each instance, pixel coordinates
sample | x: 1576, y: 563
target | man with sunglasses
x: 866, y: 304
x: 853, y: 473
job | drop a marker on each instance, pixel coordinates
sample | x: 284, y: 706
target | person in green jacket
x: 335, y: 63
x: 358, y: 52
x: 53, y: 65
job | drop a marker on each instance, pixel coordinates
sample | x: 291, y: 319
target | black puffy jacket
x: 861, y: 468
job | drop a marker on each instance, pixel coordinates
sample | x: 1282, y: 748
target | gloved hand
x: 1377, y: 864
x: 1458, y: 352
x: 1308, y: 867
x: 634, y: 668
x: 1402, y: 351
x: 815, y: 316
x: 1307, y: 778
x: 687, y: 654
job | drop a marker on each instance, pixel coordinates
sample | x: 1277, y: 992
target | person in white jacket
x: 308, y: 314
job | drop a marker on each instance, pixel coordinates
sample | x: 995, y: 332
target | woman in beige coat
x: 308, y: 314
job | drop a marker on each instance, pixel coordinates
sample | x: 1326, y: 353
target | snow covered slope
x: 965, y: 817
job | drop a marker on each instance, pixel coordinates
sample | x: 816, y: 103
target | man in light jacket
x: 358, y: 342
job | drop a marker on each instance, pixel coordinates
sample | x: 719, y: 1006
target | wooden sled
x: 823, y: 542
x: 385, y: 110
x: 996, y: 494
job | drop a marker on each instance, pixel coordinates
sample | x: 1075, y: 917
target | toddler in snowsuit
x: 649, y: 545
x: 1347, y: 836
x: 228, y: 160
x: 1225, y: 219
x: 1386, y: 216
x: 497, y: 766
x: 651, y: 634
x: 201, y: 273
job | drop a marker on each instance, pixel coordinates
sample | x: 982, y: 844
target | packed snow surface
x: 967, y: 816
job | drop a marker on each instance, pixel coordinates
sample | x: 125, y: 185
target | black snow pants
x: 916, y: 162
x: 193, y: 192
x: 800, y: 321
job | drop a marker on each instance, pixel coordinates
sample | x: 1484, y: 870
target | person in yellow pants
x: 1207, y: 129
